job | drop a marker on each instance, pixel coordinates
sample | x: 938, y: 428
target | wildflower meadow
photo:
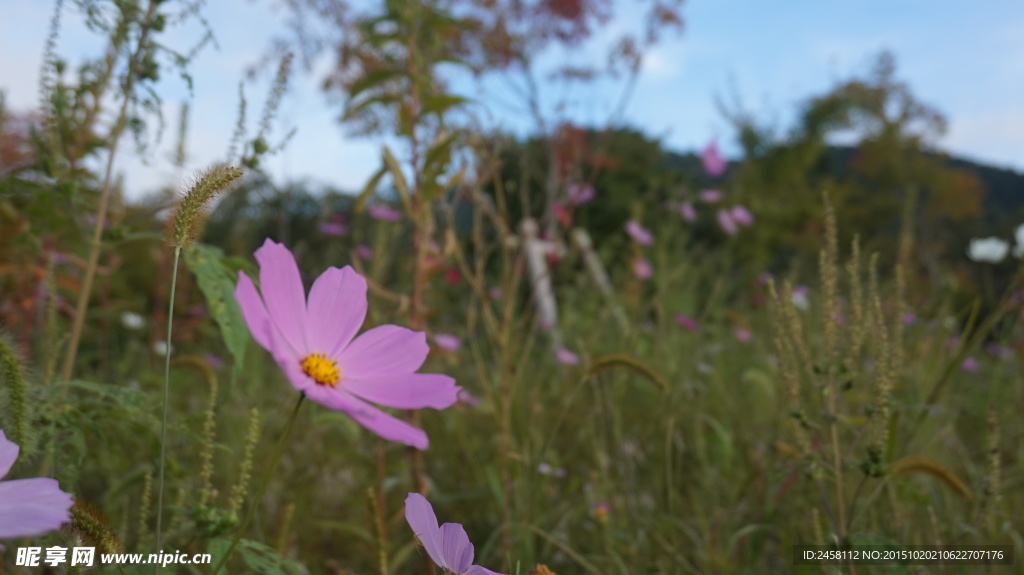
x: 565, y: 350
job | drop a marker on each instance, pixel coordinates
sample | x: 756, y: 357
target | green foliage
x: 217, y: 281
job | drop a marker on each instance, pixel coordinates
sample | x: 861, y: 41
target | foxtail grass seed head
x: 186, y: 221
x: 206, y: 455
x: 145, y: 507
x: 830, y: 286
x: 245, y: 473
x: 12, y: 377
x: 993, y: 492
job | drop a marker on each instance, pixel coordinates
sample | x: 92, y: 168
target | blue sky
x: 965, y: 58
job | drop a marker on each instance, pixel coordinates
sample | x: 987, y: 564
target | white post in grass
x: 596, y: 269
x: 536, y: 251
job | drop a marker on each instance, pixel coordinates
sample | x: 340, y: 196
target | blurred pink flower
x: 384, y: 212
x: 638, y: 233
x: 909, y: 318
x: 688, y: 212
x: 726, y: 222
x: 332, y: 228
x: 567, y: 357
x: 799, y: 297
x: 710, y: 196
x: 495, y: 292
x: 687, y: 322
x: 580, y: 194
x: 313, y: 340
x: 214, y: 361
x: 447, y: 341
x: 562, y: 215
x: 364, y: 252
x: 970, y: 365
x: 714, y: 162
x: 642, y: 269
x: 602, y: 510
x: 743, y: 335
x: 742, y: 216
x: 468, y: 398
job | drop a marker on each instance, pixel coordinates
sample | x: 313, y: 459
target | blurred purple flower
x: 799, y: 297
x: 714, y: 163
x: 688, y: 212
x: 743, y: 335
x: 710, y: 196
x: 742, y: 216
x: 332, y: 228
x: 970, y: 365
x: 643, y: 269
x: 29, y: 507
x: 687, y: 322
x: 726, y: 222
x: 638, y: 233
x: 448, y: 545
x: 384, y: 212
x: 998, y: 351
x: 567, y: 357
x: 447, y: 341
x: 580, y: 194
x: 494, y: 292
x: 468, y: 398
x: 602, y: 510
x: 364, y: 252
x: 909, y: 318
x: 214, y: 361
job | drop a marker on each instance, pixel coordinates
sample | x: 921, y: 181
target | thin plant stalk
x: 275, y: 458
x: 166, y: 398
x: 101, y: 211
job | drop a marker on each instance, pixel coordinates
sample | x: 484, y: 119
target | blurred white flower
x: 1018, y: 250
x: 799, y: 297
x: 132, y: 320
x: 991, y: 250
x: 160, y: 348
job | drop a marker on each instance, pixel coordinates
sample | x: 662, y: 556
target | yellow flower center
x: 321, y: 368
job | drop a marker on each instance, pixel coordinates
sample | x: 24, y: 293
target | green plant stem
x: 275, y: 458
x: 166, y: 398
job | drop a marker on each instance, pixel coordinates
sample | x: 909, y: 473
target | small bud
x: 184, y: 224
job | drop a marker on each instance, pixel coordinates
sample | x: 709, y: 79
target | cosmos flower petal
x: 384, y: 349
x: 289, y: 362
x: 336, y: 310
x: 456, y: 548
x: 253, y: 311
x: 281, y: 285
x: 420, y: 515
x: 478, y: 570
x: 8, y: 454
x: 30, y: 507
x: 405, y: 390
x: 383, y: 424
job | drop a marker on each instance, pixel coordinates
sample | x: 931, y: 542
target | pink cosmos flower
x: 688, y: 212
x: 726, y: 222
x: 468, y: 398
x: 447, y: 341
x: 448, y: 545
x: 743, y: 335
x: 384, y: 212
x: 567, y: 357
x: 742, y: 216
x: 580, y: 194
x: 638, y: 233
x: 710, y: 196
x: 643, y: 269
x: 332, y: 228
x: 29, y: 507
x: 314, y: 342
x: 364, y: 252
x: 687, y: 322
x: 970, y: 365
x: 714, y: 163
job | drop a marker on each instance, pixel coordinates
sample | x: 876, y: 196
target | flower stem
x: 275, y: 458
x: 166, y: 398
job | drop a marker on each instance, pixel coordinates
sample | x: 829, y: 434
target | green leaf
x: 265, y: 560
x: 440, y: 153
x: 369, y: 188
x: 440, y: 104
x: 398, y: 178
x: 217, y: 282
x: 375, y: 78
